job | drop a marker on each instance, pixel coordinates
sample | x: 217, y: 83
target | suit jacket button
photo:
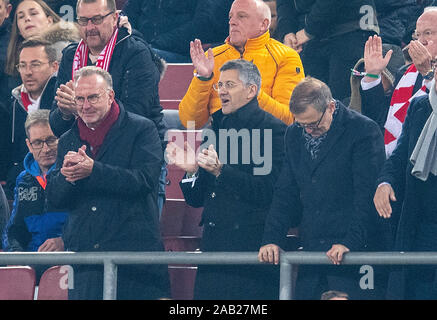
x: 213, y: 195
x: 93, y: 208
x: 211, y: 224
x: 96, y: 246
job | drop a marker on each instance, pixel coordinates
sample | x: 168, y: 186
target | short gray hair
x: 40, y: 116
x: 91, y: 70
x: 248, y: 72
x: 310, y: 92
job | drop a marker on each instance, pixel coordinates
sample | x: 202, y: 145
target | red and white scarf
x: 104, y: 59
x: 400, y: 101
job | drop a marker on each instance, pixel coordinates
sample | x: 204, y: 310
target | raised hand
x: 374, y: 62
x: 204, y: 64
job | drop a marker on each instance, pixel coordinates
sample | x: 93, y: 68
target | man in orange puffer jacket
x: 280, y: 66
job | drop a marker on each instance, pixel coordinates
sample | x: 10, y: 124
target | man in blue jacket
x: 35, y: 226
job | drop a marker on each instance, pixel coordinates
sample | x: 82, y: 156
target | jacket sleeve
x: 142, y: 175
x: 367, y: 160
x: 194, y: 194
x: 58, y: 125
x: 139, y: 92
x: 394, y: 168
x: 290, y: 73
x: 194, y: 106
x: 285, y: 210
x: 16, y: 236
x: 60, y: 193
x: 375, y: 104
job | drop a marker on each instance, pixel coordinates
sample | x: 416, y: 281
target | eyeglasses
x: 427, y: 34
x: 96, y: 20
x: 312, y: 125
x: 33, y: 66
x: 92, y: 99
x: 50, y: 142
x: 228, y: 85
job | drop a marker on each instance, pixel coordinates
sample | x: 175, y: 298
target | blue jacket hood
x: 31, y: 165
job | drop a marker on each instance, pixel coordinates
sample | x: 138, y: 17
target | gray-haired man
x: 233, y: 187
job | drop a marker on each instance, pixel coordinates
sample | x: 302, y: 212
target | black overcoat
x: 115, y: 208
x: 236, y: 204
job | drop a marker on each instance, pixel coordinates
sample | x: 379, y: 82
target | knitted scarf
x: 400, y: 101
x: 95, y: 137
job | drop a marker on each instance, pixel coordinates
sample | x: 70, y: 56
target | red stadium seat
x: 170, y: 104
x: 17, y: 283
x: 176, y: 81
x: 182, y: 277
x: 53, y: 284
x: 179, y: 219
x: 182, y: 280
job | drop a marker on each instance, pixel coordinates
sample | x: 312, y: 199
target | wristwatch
x: 429, y: 75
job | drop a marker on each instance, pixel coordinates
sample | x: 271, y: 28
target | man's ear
x: 253, y: 91
x: 29, y: 146
x: 8, y: 10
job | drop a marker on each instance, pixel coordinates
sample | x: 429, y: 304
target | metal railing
x: 110, y: 261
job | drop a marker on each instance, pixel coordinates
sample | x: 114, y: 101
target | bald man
x: 249, y: 38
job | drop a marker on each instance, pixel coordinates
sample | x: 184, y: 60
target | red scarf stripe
x: 25, y: 100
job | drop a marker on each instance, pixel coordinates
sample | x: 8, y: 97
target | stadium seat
x: 53, y: 284
x: 179, y: 219
x: 182, y: 280
x: 171, y: 119
x: 182, y: 277
x: 17, y: 283
x: 176, y: 80
x: 170, y: 104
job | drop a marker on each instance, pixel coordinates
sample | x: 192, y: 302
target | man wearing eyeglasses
x: 134, y: 69
x: 234, y: 188
x: 37, y: 68
x: 107, y: 174
x: 332, y: 158
x: 33, y: 225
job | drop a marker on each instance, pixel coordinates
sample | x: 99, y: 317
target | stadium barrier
x: 111, y: 260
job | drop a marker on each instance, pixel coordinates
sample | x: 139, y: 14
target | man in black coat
x: 134, y: 68
x: 333, y: 156
x: 405, y: 172
x: 132, y: 65
x: 107, y: 174
x: 233, y: 185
